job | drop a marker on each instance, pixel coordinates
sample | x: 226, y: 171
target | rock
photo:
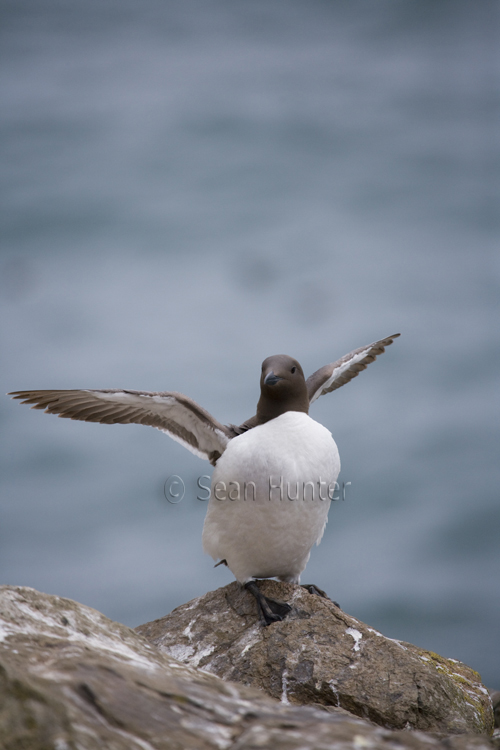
x: 495, y: 699
x: 321, y: 655
x: 70, y: 679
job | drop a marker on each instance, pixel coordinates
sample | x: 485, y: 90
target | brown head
x: 282, y: 388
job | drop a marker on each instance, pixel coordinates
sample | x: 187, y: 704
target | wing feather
x: 173, y: 413
x: 333, y: 376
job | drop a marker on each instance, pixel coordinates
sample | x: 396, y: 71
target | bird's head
x: 282, y: 387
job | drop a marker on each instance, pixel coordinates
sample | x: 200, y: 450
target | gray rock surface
x: 495, y: 699
x: 70, y: 679
x: 321, y: 655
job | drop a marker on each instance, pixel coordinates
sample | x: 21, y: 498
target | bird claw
x: 313, y: 589
x: 270, y: 610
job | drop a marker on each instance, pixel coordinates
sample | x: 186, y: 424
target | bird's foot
x: 313, y: 589
x: 270, y: 610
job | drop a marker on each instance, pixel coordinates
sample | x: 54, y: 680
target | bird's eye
x: 293, y: 369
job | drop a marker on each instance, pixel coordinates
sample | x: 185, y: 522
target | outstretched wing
x: 176, y: 415
x: 338, y: 373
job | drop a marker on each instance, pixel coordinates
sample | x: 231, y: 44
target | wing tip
x: 382, y: 344
x: 387, y: 340
x: 22, y: 396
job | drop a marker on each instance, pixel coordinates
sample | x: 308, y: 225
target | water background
x: 189, y: 186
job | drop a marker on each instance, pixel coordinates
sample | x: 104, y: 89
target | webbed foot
x: 313, y: 589
x: 270, y: 610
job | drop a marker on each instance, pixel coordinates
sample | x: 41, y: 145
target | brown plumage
x: 283, y: 388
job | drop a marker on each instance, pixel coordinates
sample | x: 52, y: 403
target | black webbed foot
x: 270, y: 610
x: 313, y: 589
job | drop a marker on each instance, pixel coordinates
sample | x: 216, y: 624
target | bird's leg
x: 270, y: 610
x: 313, y: 589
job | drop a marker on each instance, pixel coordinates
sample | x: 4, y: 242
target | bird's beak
x: 271, y: 378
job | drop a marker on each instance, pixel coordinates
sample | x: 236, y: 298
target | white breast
x: 270, y: 498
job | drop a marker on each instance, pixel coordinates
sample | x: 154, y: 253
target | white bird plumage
x: 269, y: 531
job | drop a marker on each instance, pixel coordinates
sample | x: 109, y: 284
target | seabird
x: 274, y: 474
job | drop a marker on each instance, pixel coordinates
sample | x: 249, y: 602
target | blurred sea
x: 189, y: 186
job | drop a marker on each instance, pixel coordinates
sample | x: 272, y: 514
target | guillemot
x: 274, y: 474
